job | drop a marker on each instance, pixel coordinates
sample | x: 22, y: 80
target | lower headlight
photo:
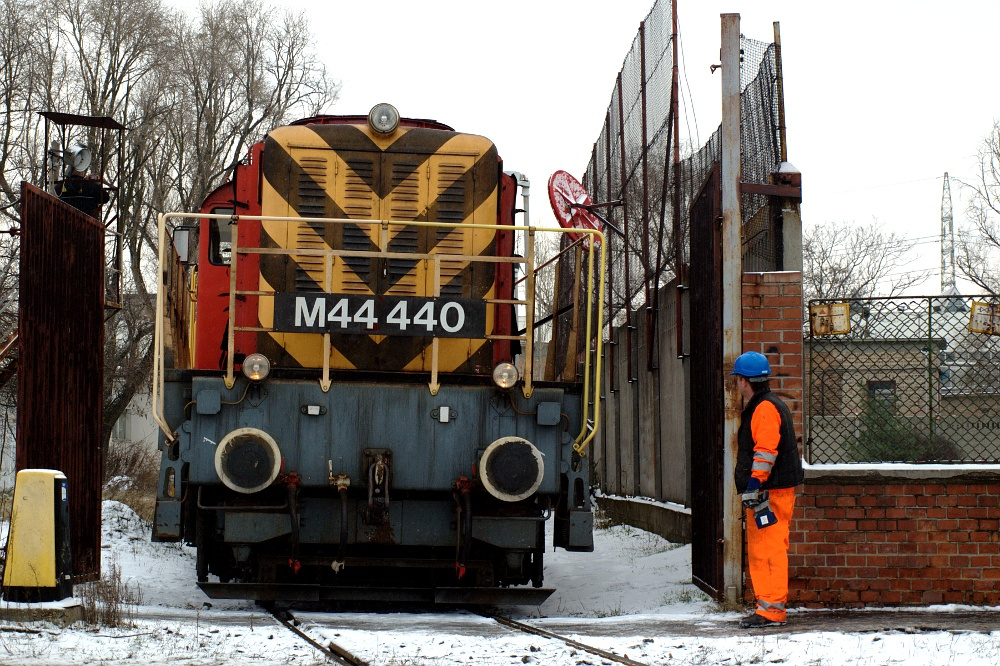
x: 256, y: 367
x: 247, y: 460
x: 512, y: 469
x: 505, y: 375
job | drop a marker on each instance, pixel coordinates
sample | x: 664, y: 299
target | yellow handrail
x: 595, y: 236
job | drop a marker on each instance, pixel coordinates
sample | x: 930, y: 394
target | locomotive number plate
x: 379, y: 315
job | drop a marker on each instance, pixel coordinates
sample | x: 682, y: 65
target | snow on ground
x: 632, y: 596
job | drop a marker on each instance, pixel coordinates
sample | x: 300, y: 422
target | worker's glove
x: 758, y: 501
x: 753, y: 495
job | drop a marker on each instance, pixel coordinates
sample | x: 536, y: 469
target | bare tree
x: 841, y: 260
x: 18, y: 40
x: 977, y: 249
x: 244, y: 68
x: 193, y: 92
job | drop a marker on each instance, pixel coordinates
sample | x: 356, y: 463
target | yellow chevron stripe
x: 421, y: 187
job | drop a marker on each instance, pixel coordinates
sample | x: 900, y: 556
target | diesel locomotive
x: 352, y: 402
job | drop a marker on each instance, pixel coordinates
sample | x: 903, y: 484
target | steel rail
x: 331, y: 651
x: 528, y: 629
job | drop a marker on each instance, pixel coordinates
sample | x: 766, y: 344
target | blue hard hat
x: 752, y: 364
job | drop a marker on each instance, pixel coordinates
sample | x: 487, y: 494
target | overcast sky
x: 882, y: 97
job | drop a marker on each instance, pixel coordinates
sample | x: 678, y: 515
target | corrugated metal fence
x: 61, y: 374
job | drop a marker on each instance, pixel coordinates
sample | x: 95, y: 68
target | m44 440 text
x: 296, y: 312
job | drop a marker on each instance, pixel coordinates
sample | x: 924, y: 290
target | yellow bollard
x: 38, y: 564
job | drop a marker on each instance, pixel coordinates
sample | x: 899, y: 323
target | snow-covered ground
x: 632, y: 596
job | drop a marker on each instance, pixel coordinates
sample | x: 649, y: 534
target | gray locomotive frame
x: 324, y: 435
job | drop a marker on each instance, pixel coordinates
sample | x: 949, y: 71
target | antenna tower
x: 947, y: 241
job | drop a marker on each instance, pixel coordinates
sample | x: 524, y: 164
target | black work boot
x: 759, y: 621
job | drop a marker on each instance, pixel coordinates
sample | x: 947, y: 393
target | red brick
x: 761, y: 290
x: 932, y: 597
x: 766, y: 312
x: 792, y: 337
x: 781, y: 325
x: 755, y: 336
x: 781, y: 277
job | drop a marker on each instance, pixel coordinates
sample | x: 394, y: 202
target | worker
x: 768, y: 468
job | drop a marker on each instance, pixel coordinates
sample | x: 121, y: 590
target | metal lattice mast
x: 947, y: 240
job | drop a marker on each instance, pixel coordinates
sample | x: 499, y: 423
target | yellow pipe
x: 529, y: 312
x: 581, y: 447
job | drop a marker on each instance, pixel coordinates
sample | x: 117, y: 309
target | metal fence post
x: 732, y: 303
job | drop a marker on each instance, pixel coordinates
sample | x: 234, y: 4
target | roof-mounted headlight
x: 383, y: 118
x: 256, y: 367
x: 505, y: 375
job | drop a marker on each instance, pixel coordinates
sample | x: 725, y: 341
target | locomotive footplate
x: 499, y: 596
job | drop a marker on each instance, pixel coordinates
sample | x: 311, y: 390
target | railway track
x: 340, y: 655
x: 331, y: 650
x: 528, y: 629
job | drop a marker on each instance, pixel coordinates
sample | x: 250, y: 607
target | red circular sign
x: 564, y: 192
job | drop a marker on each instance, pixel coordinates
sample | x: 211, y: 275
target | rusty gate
x: 61, y: 374
x: 707, y: 400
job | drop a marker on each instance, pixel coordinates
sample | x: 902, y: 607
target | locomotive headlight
x: 505, y: 375
x: 247, y: 460
x: 512, y: 468
x: 383, y: 118
x: 256, y: 367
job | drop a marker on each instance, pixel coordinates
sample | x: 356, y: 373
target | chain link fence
x: 901, y: 380
x: 633, y: 161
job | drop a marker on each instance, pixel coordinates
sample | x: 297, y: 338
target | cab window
x: 220, y: 232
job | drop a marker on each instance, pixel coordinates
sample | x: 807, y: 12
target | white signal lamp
x: 256, y: 367
x: 383, y: 118
x: 505, y: 375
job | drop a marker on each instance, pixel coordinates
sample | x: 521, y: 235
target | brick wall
x: 888, y: 541
x: 772, y: 325
x: 872, y: 537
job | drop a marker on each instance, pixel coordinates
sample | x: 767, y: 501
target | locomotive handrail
x: 589, y: 381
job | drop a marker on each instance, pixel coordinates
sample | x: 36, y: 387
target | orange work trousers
x: 767, y: 555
